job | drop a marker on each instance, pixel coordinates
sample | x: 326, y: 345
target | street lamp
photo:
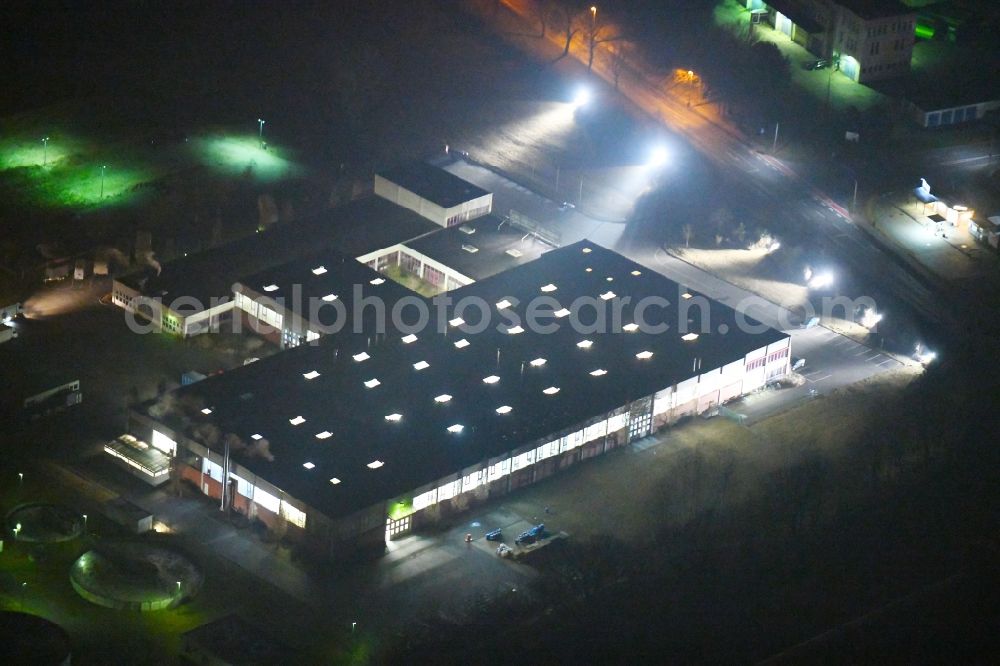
x: 17, y: 531
x: 45, y: 151
x: 84, y: 523
x: 103, y: 168
x: 593, y: 16
x: 260, y: 134
x: 20, y: 478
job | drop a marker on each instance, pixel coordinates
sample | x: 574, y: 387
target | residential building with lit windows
x: 362, y: 435
x: 440, y: 196
x: 867, y: 39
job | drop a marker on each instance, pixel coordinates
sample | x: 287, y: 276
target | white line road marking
x: 888, y: 360
x: 818, y: 380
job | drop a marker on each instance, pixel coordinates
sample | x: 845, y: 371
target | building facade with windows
x: 867, y: 39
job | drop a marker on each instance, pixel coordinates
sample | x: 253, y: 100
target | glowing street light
x: 45, y: 151
x: 658, y: 156
x: 581, y: 97
x: 821, y: 280
x: 17, y: 531
x: 260, y: 134
x: 103, y: 168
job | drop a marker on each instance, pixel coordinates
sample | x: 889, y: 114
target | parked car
x: 495, y: 535
x: 816, y: 64
x: 565, y: 206
x: 532, y: 535
x: 798, y: 363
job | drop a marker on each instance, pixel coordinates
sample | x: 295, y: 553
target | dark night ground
x: 733, y: 587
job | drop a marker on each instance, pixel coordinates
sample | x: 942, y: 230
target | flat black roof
x: 311, y: 284
x: 233, y: 640
x: 873, y: 9
x: 433, y: 183
x: 335, y: 423
x: 355, y: 228
x: 497, y: 247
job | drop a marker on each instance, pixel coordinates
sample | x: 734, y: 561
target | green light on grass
x: 232, y: 154
x: 924, y: 31
x: 17, y: 153
x: 400, y: 509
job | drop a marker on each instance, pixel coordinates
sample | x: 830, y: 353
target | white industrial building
x: 441, y: 197
x: 363, y: 435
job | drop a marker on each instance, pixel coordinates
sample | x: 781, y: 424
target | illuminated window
x: 407, y: 339
x: 515, y: 330
x: 492, y: 379
x: 456, y: 428
x: 504, y: 304
x: 375, y: 464
x: 637, y: 273
x: 608, y: 295
x: 334, y: 480
x: 457, y: 321
x: 271, y: 287
x: 319, y: 270
x: 538, y: 362
x: 394, y: 417
x: 444, y: 397
x: 206, y: 411
x: 630, y: 328
x: 330, y: 297
x: 308, y: 465
x: 421, y: 365
x: 585, y: 344
x: 326, y: 434
x: 689, y: 336
x: 254, y: 436
x: 293, y: 515
x: 505, y: 409
x: 552, y: 390
x: 266, y: 500
x: 587, y: 250
x: 644, y: 355
x: 372, y: 383
x: 312, y: 374
x: 609, y: 279
x: 377, y: 281
x: 549, y: 288
x: 600, y: 372
x: 686, y: 295
x: 363, y: 356
x: 589, y: 269
x: 298, y: 420
x: 462, y: 344
x: 562, y: 312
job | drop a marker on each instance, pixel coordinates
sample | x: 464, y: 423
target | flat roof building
x: 434, y: 193
x: 362, y: 434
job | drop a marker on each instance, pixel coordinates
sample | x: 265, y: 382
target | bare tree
x: 565, y: 20
x: 597, y: 35
x: 541, y: 10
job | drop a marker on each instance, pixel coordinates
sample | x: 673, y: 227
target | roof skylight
x: 256, y: 436
x: 549, y: 287
x: 461, y: 344
x: 443, y: 398
x: 608, y: 295
x: 407, y: 339
x: 689, y: 336
x: 393, y: 417
x: 334, y: 480
x: 587, y: 250
x: 644, y: 355
x: 375, y: 464
x: 630, y: 328
x: 492, y: 379
x: 561, y: 312
x: 298, y: 420
x: 600, y: 372
x: 326, y: 434
x: 515, y: 330
x: 362, y: 356
x: 377, y: 281
x: 503, y: 304
x: 456, y: 428
x: 312, y: 374
x: 330, y: 297
x: 538, y: 362
x: 686, y: 295
x: 505, y: 409
x: 457, y: 321
x: 636, y: 273
x: 372, y: 383
x: 319, y: 270
x: 308, y: 465
x: 585, y: 344
x: 552, y: 390
x: 206, y: 411
x: 271, y: 287
x: 420, y: 365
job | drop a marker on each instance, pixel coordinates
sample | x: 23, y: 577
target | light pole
x: 260, y: 133
x: 774, y: 144
x: 20, y: 478
x: 45, y: 151
x: 103, y: 167
x: 593, y: 16
x: 84, y: 523
x: 17, y: 531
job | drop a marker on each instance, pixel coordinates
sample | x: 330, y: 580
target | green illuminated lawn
x: 67, y: 172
